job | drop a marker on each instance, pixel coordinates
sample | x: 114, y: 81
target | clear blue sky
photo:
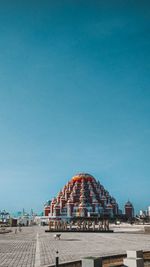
x: 74, y: 96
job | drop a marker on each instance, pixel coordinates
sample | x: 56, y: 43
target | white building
x: 149, y: 211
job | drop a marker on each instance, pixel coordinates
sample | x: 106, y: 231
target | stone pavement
x: 34, y: 247
x: 18, y: 249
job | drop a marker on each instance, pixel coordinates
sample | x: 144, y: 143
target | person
x: 16, y: 231
x: 84, y: 225
x: 55, y: 225
x: 50, y: 225
x: 93, y: 224
x: 65, y: 226
x: 59, y: 225
x: 70, y: 225
x: 107, y: 225
x: 100, y: 226
x: 88, y: 225
x: 78, y: 225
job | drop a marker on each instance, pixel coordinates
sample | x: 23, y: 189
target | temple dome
x: 83, y: 176
x: 83, y: 190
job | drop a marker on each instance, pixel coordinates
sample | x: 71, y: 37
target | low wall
x: 112, y: 260
x: 147, y: 229
x: 69, y: 264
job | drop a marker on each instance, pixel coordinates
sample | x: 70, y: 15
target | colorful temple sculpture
x: 82, y: 197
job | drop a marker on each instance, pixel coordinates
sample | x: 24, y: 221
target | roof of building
x: 83, y: 176
x: 128, y: 203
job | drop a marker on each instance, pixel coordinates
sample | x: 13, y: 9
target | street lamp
x: 57, y: 259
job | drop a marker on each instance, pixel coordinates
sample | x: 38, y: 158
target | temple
x: 82, y: 196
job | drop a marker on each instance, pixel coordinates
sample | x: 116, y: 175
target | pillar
x: 134, y: 258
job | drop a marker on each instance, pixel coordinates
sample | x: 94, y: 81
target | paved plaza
x: 34, y: 247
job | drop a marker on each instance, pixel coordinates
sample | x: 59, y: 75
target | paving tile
x: 19, y: 250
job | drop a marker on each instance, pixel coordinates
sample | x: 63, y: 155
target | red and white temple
x: 82, y: 196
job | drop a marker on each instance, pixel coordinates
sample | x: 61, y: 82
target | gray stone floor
x: 34, y: 247
x: 18, y: 249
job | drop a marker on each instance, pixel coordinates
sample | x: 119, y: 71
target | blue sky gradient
x: 74, y: 96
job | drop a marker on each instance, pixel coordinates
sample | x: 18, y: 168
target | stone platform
x: 78, y: 231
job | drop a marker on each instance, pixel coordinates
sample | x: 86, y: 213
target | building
x: 82, y: 196
x: 148, y: 211
x: 143, y: 213
x: 129, y: 210
x: 4, y: 216
x: 47, y: 208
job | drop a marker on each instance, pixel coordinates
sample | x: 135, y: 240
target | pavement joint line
x: 37, y: 252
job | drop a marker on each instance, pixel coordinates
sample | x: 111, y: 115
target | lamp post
x: 57, y: 259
